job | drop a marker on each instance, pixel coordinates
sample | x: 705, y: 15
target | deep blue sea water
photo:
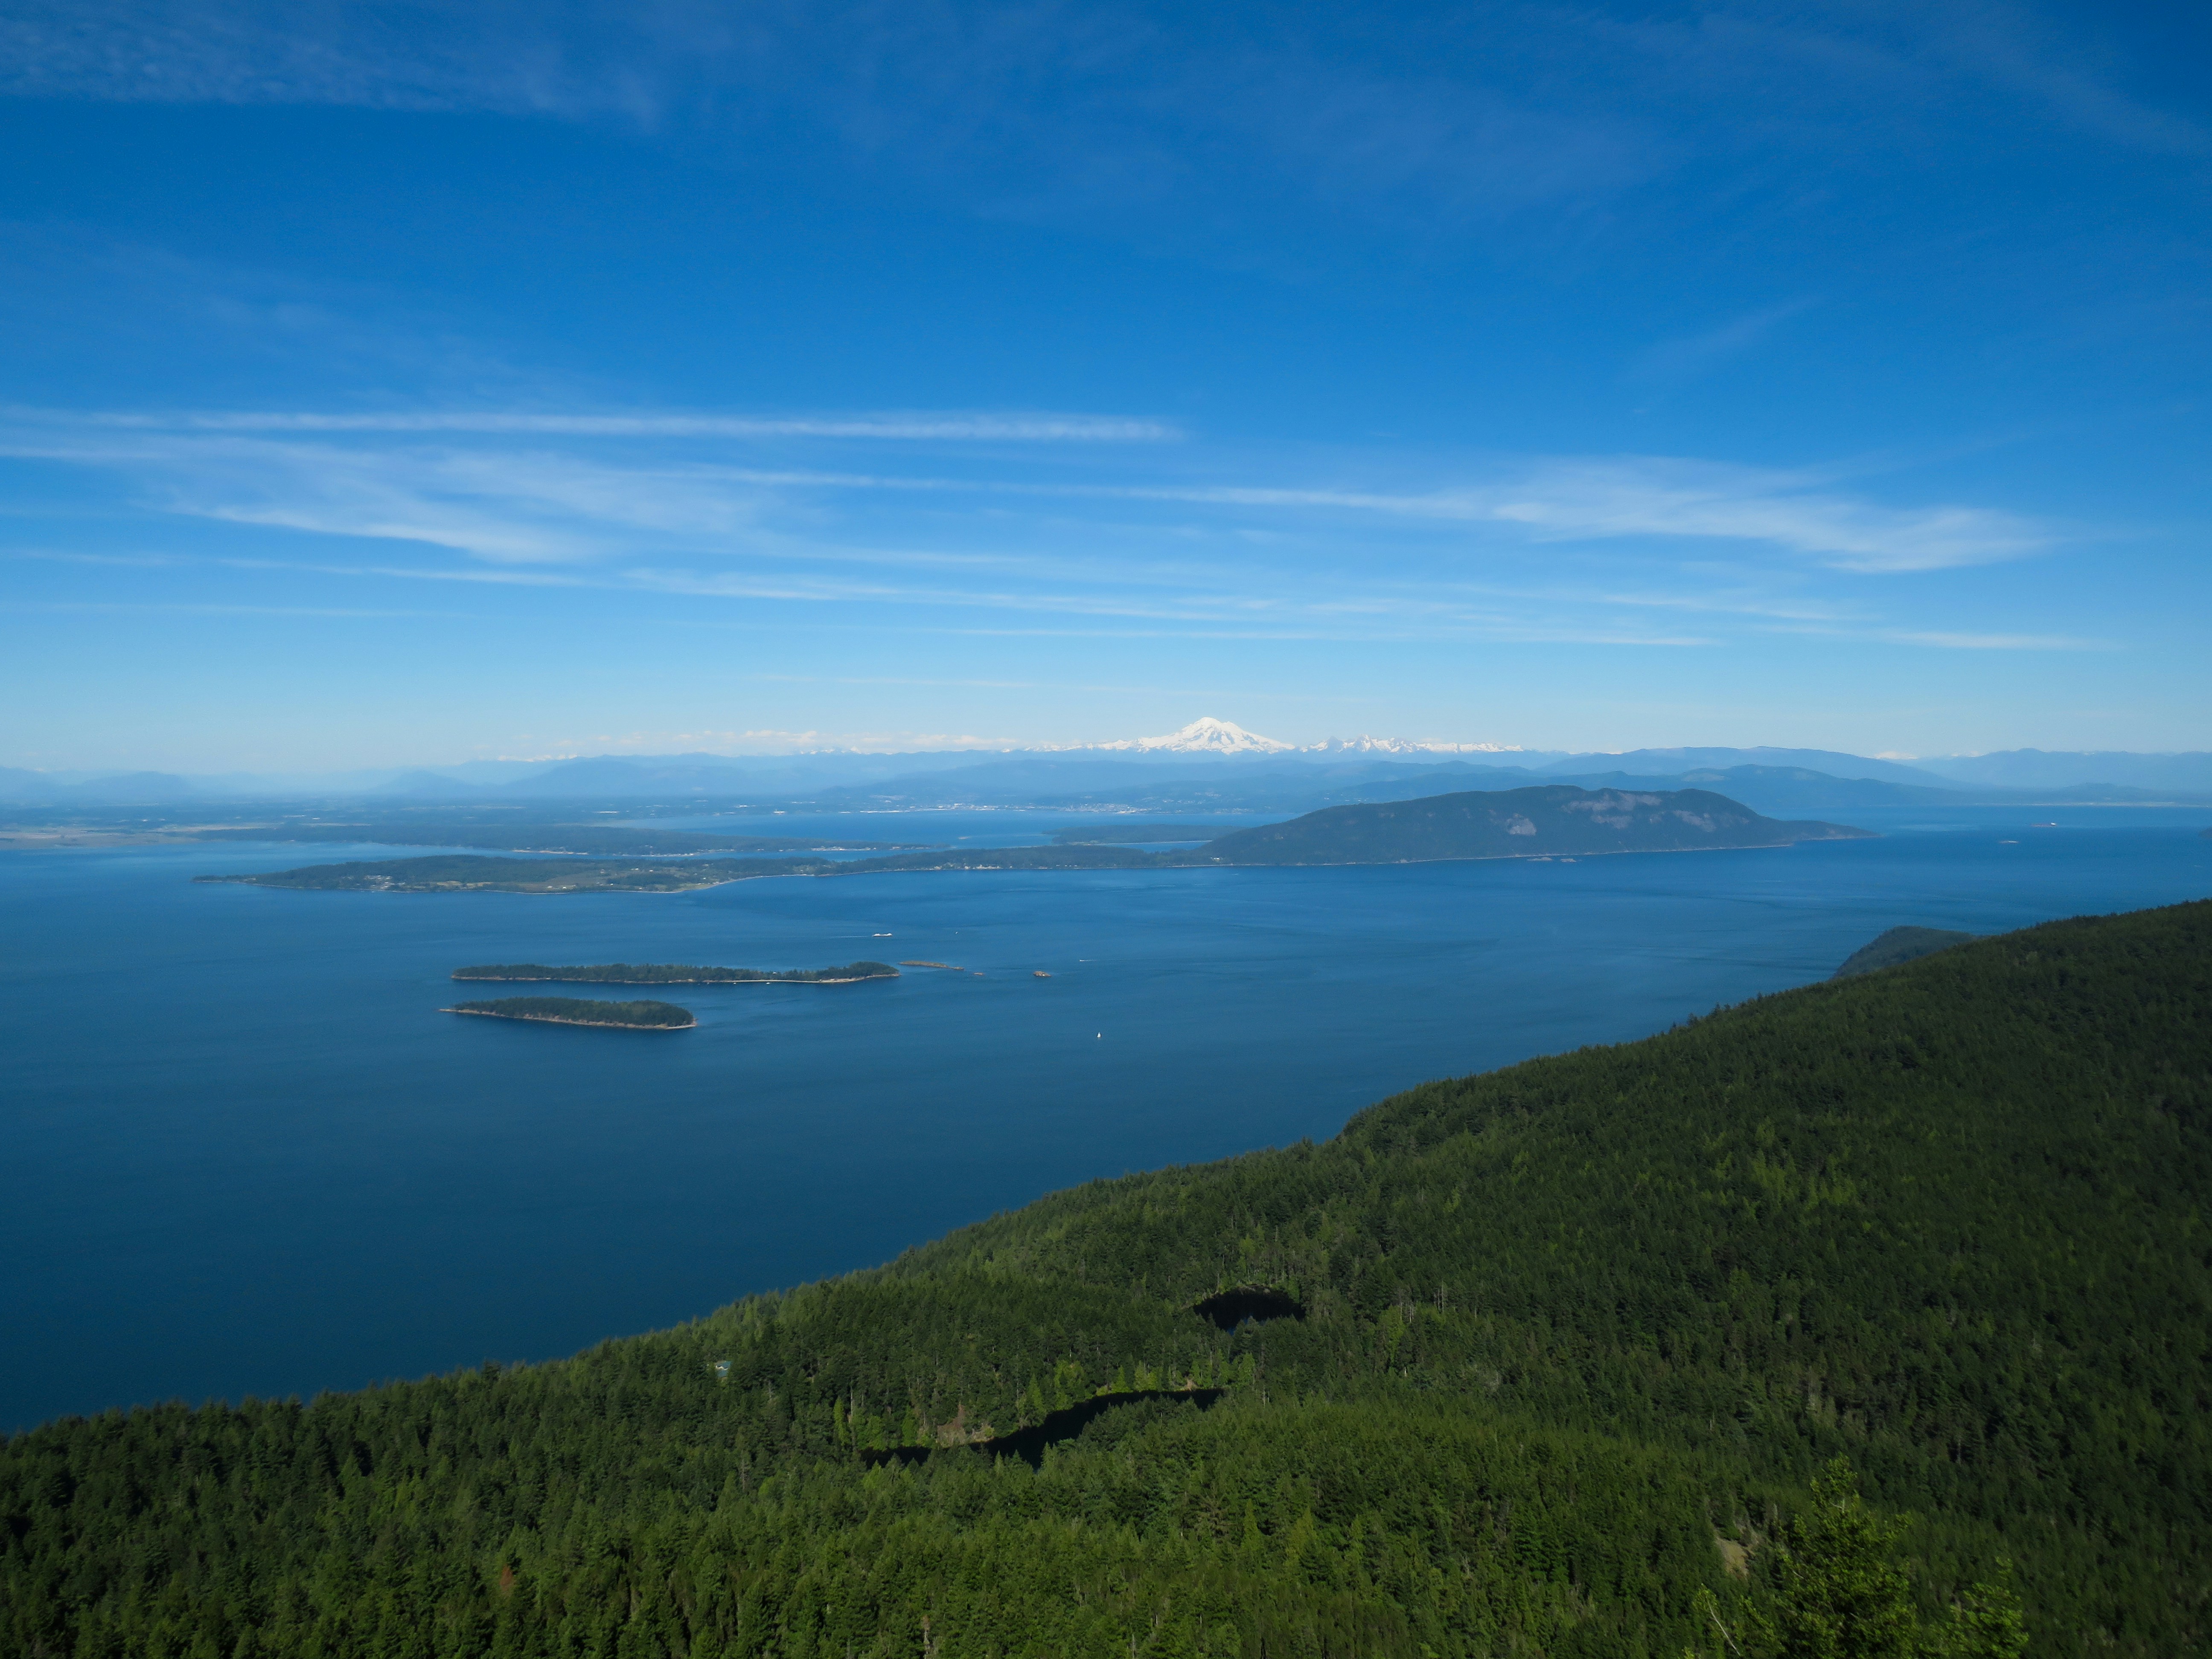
x: 242, y: 1152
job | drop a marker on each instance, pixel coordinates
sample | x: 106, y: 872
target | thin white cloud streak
x: 1673, y: 361
x: 1203, y: 616
x: 1653, y: 496
x: 920, y: 426
x: 565, y: 516
x: 1315, y: 616
x: 1953, y: 641
x: 542, y: 501
x: 1957, y: 640
x: 1609, y: 498
x: 197, y: 608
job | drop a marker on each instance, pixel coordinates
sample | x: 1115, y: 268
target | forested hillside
x: 1573, y: 1340
x: 1547, y: 821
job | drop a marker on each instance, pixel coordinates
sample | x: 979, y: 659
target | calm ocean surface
x: 241, y: 1151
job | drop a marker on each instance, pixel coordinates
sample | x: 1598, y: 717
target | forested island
x: 580, y: 1011
x: 1570, y: 1354
x: 672, y: 973
x: 1544, y: 822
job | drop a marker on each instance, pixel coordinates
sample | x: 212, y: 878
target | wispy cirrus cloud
x: 1586, y: 549
x: 1126, y: 119
x: 1801, y: 512
x: 932, y: 427
x: 1953, y: 641
x: 1673, y: 361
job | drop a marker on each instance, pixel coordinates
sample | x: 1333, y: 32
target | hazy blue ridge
x: 1554, y: 820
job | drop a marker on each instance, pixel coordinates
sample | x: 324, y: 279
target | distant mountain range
x: 1209, y: 735
x: 1212, y: 765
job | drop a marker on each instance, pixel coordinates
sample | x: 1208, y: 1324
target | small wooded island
x: 676, y: 973
x: 579, y: 1011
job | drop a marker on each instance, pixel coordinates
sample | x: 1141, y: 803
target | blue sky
x: 392, y: 383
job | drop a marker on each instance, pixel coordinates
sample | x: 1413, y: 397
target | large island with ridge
x: 1548, y: 821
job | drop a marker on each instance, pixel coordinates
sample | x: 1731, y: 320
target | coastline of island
x: 1552, y: 821
x: 635, y: 973
x: 579, y: 1011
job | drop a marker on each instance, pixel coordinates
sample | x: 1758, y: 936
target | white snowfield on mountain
x: 1209, y: 735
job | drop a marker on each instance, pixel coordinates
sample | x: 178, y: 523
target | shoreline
x: 1043, y: 870
x: 555, y: 1019
x: 505, y: 979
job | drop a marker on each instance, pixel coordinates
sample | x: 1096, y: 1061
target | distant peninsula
x: 472, y: 873
x: 579, y: 1010
x: 1136, y: 830
x: 1545, y: 821
x: 501, y: 833
x: 676, y: 972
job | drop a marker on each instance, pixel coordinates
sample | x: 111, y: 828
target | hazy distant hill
x: 1767, y: 789
x: 2184, y: 774
x: 1773, y: 781
x: 608, y: 775
x: 1678, y: 762
x: 431, y: 785
x: 131, y: 787
x: 127, y: 788
x: 1551, y: 819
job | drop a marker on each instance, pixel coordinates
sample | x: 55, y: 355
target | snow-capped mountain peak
x: 1205, y: 736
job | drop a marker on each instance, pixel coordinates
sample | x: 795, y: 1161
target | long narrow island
x: 579, y: 1011
x: 674, y: 973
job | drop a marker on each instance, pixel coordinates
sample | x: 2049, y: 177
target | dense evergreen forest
x: 1804, y: 1329
x: 1546, y: 821
x: 1899, y: 945
x: 583, y: 1010
x: 676, y: 972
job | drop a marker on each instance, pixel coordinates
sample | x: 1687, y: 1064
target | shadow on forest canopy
x: 1230, y: 1308
x: 1066, y: 1424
